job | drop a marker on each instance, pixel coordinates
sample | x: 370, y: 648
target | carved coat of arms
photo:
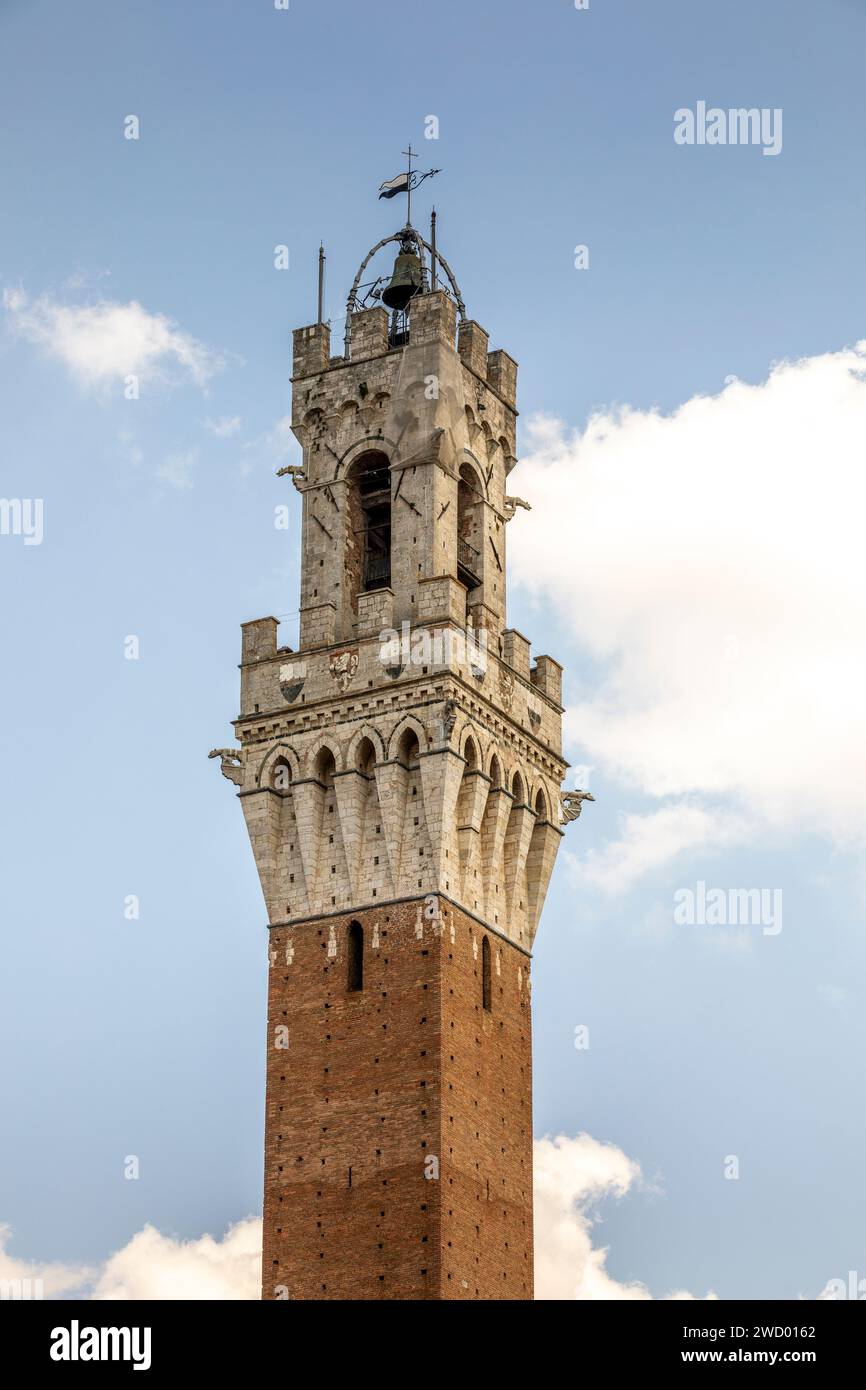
x: 343, y: 666
x: 292, y: 677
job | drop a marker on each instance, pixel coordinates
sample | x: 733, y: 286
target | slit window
x: 355, y: 969
x: 485, y: 974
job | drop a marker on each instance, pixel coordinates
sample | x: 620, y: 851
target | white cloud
x: 56, y: 1279
x: 225, y: 426
x: 647, y: 841
x: 572, y: 1177
x: 108, y: 341
x: 154, y: 1266
x: 710, y: 562
x: 176, y: 470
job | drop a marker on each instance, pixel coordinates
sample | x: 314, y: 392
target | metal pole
x: 321, y: 282
x: 410, y: 153
x: 433, y: 249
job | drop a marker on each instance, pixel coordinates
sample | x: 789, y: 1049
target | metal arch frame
x: 386, y: 241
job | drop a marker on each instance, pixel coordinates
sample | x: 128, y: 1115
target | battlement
x: 433, y: 320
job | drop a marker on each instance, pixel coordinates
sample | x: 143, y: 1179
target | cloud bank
x: 712, y: 560
x: 154, y: 1266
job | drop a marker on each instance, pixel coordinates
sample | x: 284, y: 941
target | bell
x: 406, y: 281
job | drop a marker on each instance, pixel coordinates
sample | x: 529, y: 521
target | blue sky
x: 260, y: 128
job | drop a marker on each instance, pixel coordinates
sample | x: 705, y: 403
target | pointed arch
x: 372, y: 736
x: 470, y: 753
x: 378, y: 442
x: 368, y: 513
x: 314, y: 754
x: 408, y: 721
x: 282, y: 752
x: 470, y: 527
x: 408, y: 748
x: 325, y: 766
x: 281, y: 776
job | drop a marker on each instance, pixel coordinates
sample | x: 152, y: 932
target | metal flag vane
x: 405, y: 182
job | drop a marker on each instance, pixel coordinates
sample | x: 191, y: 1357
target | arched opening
x: 471, y: 756
x: 281, y: 777
x: 368, y: 557
x: 469, y: 528
x: 469, y: 815
x: 355, y: 958
x: 325, y: 767
x: 408, y: 750
x: 365, y: 757
x: 492, y: 830
x: 485, y: 975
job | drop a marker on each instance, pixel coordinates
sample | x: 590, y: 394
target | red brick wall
x: 410, y: 1070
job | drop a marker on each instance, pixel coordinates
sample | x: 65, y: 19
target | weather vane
x: 405, y: 182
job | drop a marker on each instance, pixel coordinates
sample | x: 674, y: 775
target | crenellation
x: 311, y: 348
x: 472, y: 341
x: 502, y: 375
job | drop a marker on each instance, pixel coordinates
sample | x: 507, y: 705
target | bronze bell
x: 407, y: 280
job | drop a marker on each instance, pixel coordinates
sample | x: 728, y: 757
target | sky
x: 693, y: 403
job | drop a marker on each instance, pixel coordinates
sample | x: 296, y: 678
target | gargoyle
x: 296, y: 473
x: 511, y: 505
x: 572, y: 804
x: 231, y: 763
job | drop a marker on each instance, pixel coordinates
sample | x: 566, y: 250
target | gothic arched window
x: 369, y: 559
x: 485, y: 975
x: 355, y: 972
x: 469, y: 528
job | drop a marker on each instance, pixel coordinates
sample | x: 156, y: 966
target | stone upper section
x: 409, y: 747
x: 437, y: 412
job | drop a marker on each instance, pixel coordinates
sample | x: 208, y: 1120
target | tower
x: 400, y: 778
